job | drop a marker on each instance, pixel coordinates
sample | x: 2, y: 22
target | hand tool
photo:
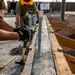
x: 21, y: 62
x: 35, y: 28
x: 33, y: 32
x: 2, y: 66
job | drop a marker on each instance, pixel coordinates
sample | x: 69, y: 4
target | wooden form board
x: 71, y: 62
x: 59, y: 26
x: 59, y: 58
x: 65, y: 41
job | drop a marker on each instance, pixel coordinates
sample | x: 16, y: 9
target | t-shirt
x: 2, y: 5
x: 23, y: 9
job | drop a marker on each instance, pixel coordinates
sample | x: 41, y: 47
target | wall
x: 56, y: 6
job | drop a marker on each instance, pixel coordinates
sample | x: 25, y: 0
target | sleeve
x: 34, y: 7
x: 2, y: 5
x: 18, y: 8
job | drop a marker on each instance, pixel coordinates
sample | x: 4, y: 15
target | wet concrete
x: 44, y: 65
x: 11, y: 68
x: 41, y: 66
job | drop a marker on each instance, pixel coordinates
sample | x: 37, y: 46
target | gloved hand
x: 37, y: 21
x: 17, y: 29
x: 24, y: 33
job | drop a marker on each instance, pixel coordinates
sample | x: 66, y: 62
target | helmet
x: 27, y: 2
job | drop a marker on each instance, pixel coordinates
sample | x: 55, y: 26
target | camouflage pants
x: 24, y: 20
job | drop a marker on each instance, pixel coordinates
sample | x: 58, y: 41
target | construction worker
x: 2, y: 7
x: 7, y: 32
x: 22, y: 8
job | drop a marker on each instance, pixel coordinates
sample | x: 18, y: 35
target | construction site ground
x: 65, y: 33
x: 69, y: 22
x: 45, y: 64
x: 10, y: 48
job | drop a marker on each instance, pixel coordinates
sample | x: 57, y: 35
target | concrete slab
x: 10, y: 20
x: 5, y: 56
x: 44, y: 65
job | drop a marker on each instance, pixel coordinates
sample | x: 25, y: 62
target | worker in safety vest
x: 22, y: 8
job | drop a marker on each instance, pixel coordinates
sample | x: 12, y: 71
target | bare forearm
x: 5, y: 26
x: 18, y: 19
x: 2, y: 12
x: 5, y: 35
x: 37, y: 13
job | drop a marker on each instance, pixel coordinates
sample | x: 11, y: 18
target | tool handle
x: 35, y: 27
x: 1, y: 67
x: 9, y: 61
x: 23, y: 53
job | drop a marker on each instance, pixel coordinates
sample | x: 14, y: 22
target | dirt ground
x: 69, y: 18
x: 69, y: 22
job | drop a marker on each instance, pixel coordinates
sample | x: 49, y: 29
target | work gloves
x: 24, y: 33
x: 37, y: 21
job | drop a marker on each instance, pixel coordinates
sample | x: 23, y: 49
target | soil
x: 69, y: 22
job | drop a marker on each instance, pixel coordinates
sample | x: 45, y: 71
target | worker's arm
x: 2, y: 8
x: 37, y: 13
x: 18, y: 12
x: 2, y: 13
x: 34, y: 7
x: 18, y: 19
